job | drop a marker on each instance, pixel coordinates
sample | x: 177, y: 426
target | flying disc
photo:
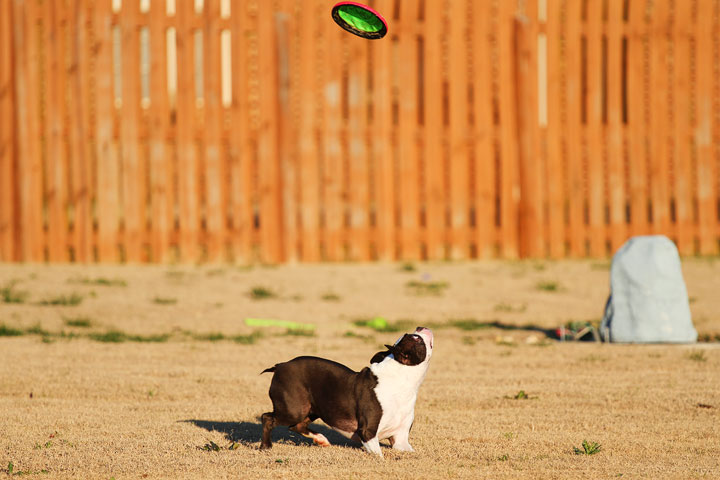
x: 359, y: 20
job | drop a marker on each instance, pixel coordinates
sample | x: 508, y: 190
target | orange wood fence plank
x: 160, y: 154
x: 56, y: 194
x: 27, y: 83
x: 107, y: 149
x: 483, y: 134
x: 332, y: 168
x: 637, y: 128
x: 555, y: 132
x: 459, y: 160
x: 81, y: 155
x: 307, y: 140
x: 659, y: 119
x: 509, y: 175
x: 8, y: 180
x: 359, y: 195
x: 434, y: 132
x: 682, y: 132
x: 576, y: 194
x: 240, y: 141
x: 382, y: 144
x: 531, y: 171
x: 215, y: 211
x: 703, y: 135
x: 133, y: 177
x: 595, y: 150
x: 188, y: 165
x: 615, y: 141
x: 286, y: 69
x: 408, y: 151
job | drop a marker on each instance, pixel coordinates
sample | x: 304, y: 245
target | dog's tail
x: 271, y: 369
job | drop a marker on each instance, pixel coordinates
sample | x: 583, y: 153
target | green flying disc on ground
x: 359, y: 20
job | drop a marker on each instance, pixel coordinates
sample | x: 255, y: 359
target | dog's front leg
x: 373, y: 446
x: 400, y: 441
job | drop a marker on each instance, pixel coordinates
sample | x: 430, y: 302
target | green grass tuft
x: 247, y: 339
x: 81, y: 322
x: 427, y: 288
x: 164, y: 301
x: 10, y: 295
x: 408, y: 267
x: 262, y: 293
x: 72, y: 300
x: 548, y: 286
x: 331, y: 297
x: 6, y: 331
x: 588, y: 448
x: 469, y: 324
x: 100, y: 281
x: 299, y: 332
x: 697, y: 356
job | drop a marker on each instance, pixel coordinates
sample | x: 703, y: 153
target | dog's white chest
x: 396, y: 391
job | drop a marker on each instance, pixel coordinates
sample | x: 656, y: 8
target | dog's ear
x: 380, y: 356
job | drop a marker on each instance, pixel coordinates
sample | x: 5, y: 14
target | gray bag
x: 648, y: 299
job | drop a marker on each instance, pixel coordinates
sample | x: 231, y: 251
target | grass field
x: 151, y: 372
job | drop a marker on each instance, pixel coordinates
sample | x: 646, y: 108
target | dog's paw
x: 320, y: 439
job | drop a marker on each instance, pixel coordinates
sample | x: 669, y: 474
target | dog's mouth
x: 425, y: 332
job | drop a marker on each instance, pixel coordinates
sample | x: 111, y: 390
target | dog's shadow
x: 250, y: 434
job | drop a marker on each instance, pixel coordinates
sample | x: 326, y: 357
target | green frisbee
x: 359, y: 20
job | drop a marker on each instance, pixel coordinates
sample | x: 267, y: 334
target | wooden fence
x: 257, y: 130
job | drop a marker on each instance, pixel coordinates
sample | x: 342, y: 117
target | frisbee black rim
x: 355, y: 31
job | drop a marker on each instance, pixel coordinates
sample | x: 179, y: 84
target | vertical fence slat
x: 55, y: 134
x: 703, y: 135
x: 594, y: 148
x: 382, y: 145
x: 160, y: 154
x: 659, y: 119
x: 332, y: 168
x: 358, y: 156
x: 530, y: 219
x: 268, y: 154
x: 107, y: 151
x: 408, y: 151
x: 27, y: 85
x: 133, y: 176
x: 286, y: 139
x: 433, y: 100
x: 240, y: 145
x: 307, y: 141
x: 81, y: 154
x: 556, y: 179
x: 8, y: 179
x: 483, y: 131
x: 214, y: 171
x: 574, y: 94
x: 188, y: 168
x: 682, y: 134
x: 637, y: 131
x: 509, y: 175
x: 615, y: 151
x: 459, y: 160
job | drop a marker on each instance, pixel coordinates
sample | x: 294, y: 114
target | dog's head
x: 410, y: 349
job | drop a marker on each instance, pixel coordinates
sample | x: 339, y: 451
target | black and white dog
x: 374, y: 404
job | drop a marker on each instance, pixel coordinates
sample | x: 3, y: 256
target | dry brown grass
x: 86, y: 409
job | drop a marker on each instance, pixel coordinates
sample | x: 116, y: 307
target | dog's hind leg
x: 303, y: 429
x: 268, y: 423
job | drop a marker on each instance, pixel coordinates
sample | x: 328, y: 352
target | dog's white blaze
x: 396, y: 391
